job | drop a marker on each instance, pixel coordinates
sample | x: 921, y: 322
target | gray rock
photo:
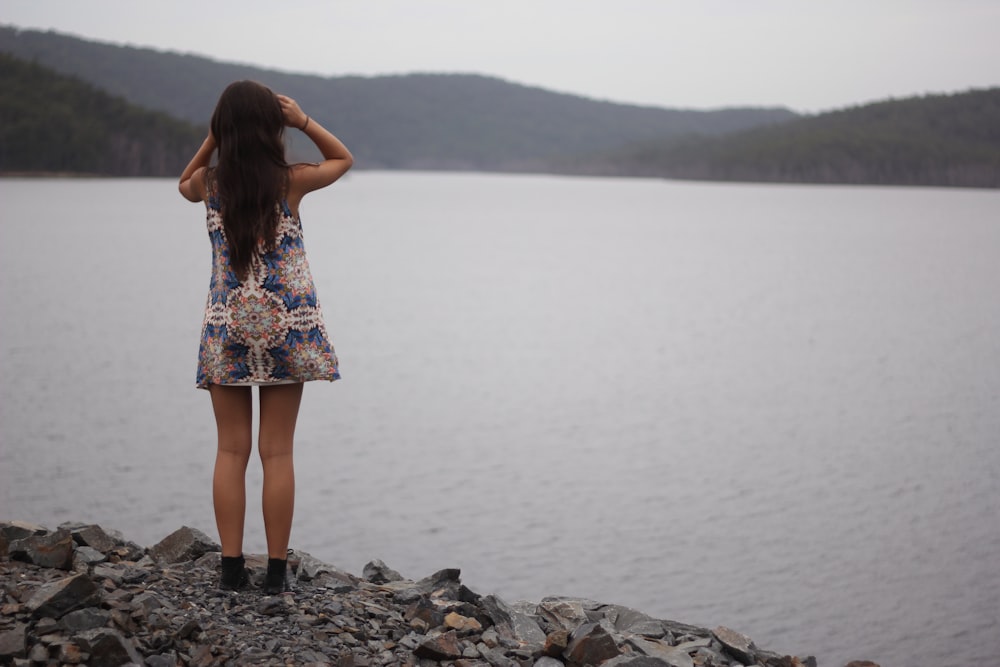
x: 89, y: 555
x: 591, y: 644
x: 311, y: 568
x: 14, y: 641
x: 736, y: 644
x: 378, y: 572
x: 108, y: 647
x: 110, y: 572
x: 512, y: 624
x: 93, y: 536
x: 58, y: 598
x: 88, y: 618
x: 566, y: 613
x: 183, y: 544
x: 46, y: 626
x: 439, y: 647
x: 17, y: 530
x: 496, y: 658
x: 168, y: 659
x: 546, y: 661
x: 637, y: 661
x: 53, y: 549
x: 654, y: 648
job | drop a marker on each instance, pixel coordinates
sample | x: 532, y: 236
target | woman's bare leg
x: 233, y: 408
x: 279, y: 408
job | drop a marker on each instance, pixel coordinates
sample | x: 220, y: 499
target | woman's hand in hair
x: 294, y: 115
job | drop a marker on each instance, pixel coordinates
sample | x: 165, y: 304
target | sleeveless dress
x: 269, y: 328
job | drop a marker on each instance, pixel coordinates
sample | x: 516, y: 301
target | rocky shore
x: 81, y: 594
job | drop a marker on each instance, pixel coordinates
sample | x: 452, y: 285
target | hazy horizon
x: 670, y: 55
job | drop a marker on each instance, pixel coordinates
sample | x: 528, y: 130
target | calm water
x: 771, y: 407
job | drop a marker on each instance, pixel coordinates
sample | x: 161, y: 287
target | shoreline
x: 81, y: 594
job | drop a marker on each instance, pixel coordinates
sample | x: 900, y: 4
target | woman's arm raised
x: 336, y: 158
x: 192, y: 185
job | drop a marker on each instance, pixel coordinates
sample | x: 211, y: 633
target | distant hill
x: 416, y: 121
x: 950, y: 140
x: 461, y: 121
x: 50, y: 122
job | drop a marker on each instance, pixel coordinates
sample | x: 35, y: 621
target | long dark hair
x: 252, y: 173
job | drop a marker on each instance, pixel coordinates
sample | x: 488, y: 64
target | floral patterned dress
x: 269, y: 328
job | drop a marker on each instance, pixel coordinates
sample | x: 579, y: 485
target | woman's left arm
x: 192, y: 185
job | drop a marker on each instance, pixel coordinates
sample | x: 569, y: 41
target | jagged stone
x: 88, y: 556
x: 14, y: 641
x: 53, y: 549
x: 443, y: 583
x: 439, y: 647
x: 95, y: 537
x: 632, y: 660
x: 654, y: 648
x: 555, y: 643
x: 108, y: 647
x: 736, y: 644
x: 16, y: 530
x: 461, y: 623
x: 591, y: 644
x: 497, y: 658
x: 566, y: 613
x: 310, y: 568
x: 183, y: 544
x: 512, y: 624
x: 426, y: 612
x: 88, y: 618
x: 58, y: 598
x: 378, y: 572
x: 547, y: 661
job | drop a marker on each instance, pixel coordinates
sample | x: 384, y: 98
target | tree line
x: 53, y: 123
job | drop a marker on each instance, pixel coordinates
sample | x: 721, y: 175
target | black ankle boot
x: 234, y: 573
x: 275, y: 582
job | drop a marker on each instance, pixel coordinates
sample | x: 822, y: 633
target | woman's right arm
x: 337, y: 159
x: 192, y: 183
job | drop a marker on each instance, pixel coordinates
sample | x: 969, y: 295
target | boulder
x: 653, y: 648
x: 17, y: 530
x: 108, y: 647
x: 632, y: 660
x: 377, y: 572
x: 439, y: 647
x: 513, y: 624
x: 565, y: 613
x: 88, y: 618
x: 53, y: 549
x: 58, y: 598
x: 88, y: 556
x: 590, y: 644
x: 736, y: 644
x: 13, y: 642
x: 95, y: 537
x: 310, y: 568
x: 183, y: 544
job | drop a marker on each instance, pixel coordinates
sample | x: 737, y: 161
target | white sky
x: 809, y: 55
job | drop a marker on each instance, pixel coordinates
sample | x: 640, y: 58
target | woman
x: 263, y: 325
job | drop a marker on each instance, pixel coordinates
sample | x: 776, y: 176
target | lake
x: 775, y: 408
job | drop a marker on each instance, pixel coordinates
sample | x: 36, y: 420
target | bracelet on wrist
x: 304, y: 125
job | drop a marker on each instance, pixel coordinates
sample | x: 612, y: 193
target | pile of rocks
x: 84, y: 595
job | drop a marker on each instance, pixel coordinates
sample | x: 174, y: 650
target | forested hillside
x: 414, y: 121
x: 71, y: 109
x: 951, y: 140
x: 53, y: 123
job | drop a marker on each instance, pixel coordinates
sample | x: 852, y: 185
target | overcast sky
x: 810, y: 55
